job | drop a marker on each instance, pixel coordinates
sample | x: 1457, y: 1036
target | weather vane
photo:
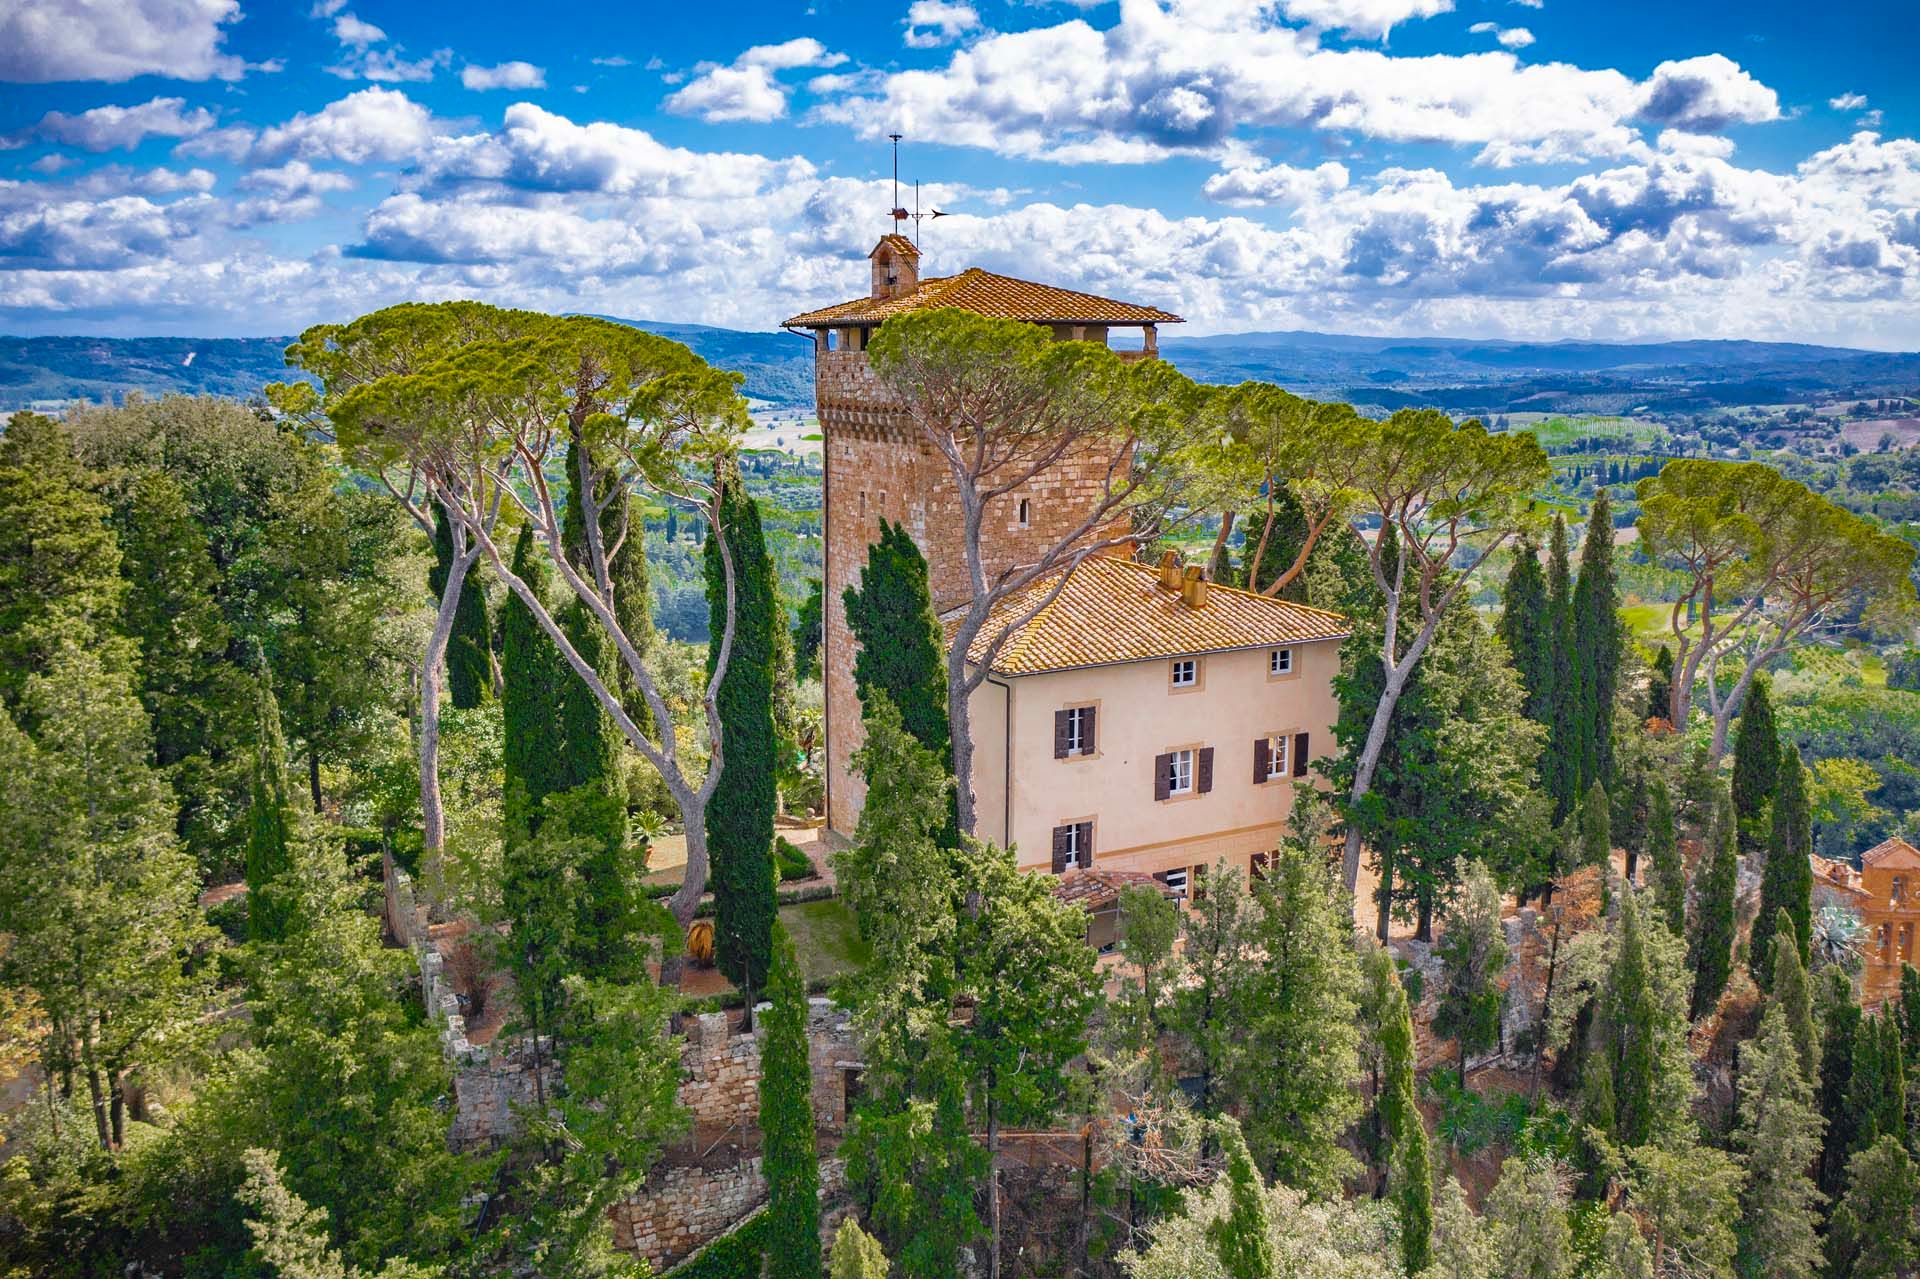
x: 900, y: 213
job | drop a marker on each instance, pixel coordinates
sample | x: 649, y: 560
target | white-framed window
x: 1186, y: 672
x: 1277, y: 760
x: 1072, y: 854
x: 1176, y: 881
x: 1024, y: 515
x: 1280, y: 662
x: 1180, y: 773
x: 1079, y: 730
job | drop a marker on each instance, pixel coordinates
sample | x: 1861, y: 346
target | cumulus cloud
x: 746, y: 90
x: 1706, y: 94
x: 1848, y: 102
x: 116, y: 128
x: 47, y: 40
x: 85, y: 235
x: 1507, y: 37
x: 932, y: 23
x: 1275, y: 184
x: 1373, y: 19
x: 350, y: 30
x: 294, y: 179
x: 369, y: 125
x: 508, y: 75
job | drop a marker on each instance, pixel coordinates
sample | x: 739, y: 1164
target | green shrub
x: 739, y: 1255
x: 793, y: 863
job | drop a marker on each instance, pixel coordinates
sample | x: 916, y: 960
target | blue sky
x: 1515, y: 168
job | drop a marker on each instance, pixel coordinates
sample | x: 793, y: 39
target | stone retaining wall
x: 682, y: 1209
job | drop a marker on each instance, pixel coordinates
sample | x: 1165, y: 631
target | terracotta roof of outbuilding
x: 1880, y: 852
x: 899, y: 244
x: 1094, y: 890
x: 984, y: 293
x: 1113, y: 610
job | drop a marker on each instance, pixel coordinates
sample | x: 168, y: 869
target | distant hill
x: 1461, y: 375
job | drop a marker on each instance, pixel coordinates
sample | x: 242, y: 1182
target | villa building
x: 1145, y: 722
x: 1886, y: 892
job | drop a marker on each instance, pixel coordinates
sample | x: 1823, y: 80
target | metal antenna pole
x: 896, y: 173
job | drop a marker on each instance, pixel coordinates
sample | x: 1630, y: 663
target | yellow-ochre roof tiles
x: 1113, y: 610
x: 984, y: 293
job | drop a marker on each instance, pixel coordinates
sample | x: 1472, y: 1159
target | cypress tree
x: 901, y: 652
x: 1710, y: 944
x: 1786, y: 881
x: 533, y: 677
x: 1866, y: 1085
x: 1909, y: 1008
x: 469, y: 646
x: 1872, y: 1235
x: 1596, y: 643
x: 1780, y: 1133
x: 1666, y: 873
x: 856, y: 1254
x: 1840, y: 1030
x: 1523, y: 626
x: 1411, y: 1160
x: 786, y: 1122
x: 1756, y: 762
x: 269, y: 853
x: 1240, y: 1238
x: 808, y: 628
x: 626, y: 575
x: 1793, y: 992
x: 1630, y: 1013
x: 740, y: 821
x: 1560, y: 762
x: 1596, y: 829
x: 1660, y: 685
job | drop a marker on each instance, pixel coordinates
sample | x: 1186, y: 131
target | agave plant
x: 1838, y: 938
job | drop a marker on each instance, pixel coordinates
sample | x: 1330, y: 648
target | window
x: 1076, y: 731
x: 1899, y: 887
x: 1180, y: 773
x: 1258, y: 865
x: 1072, y: 847
x: 1025, y: 518
x: 1186, y: 672
x: 1280, y: 662
x: 1176, y: 880
x: 1276, y: 760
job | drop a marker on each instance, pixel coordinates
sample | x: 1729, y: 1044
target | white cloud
x: 1370, y: 18
x: 1706, y: 94
x: 1515, y: 38
x: 1848, y: 102
x: 371, y: 124
x: 327, y: 8
x: 84, y: 235
x: 508, y: 75
x: 109, y: 128
x: 389, y: 66
x: 747, y: 89
x: 350, y: 30
x: 932, y: 23
x: 1279, y: 184
x: 47, y: 40
x: 293, y: 179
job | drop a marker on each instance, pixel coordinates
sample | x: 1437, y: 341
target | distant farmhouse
x: 1146, y: 722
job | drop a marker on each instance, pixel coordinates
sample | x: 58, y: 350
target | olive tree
x: 1764, y: 561
x: 481, y: 430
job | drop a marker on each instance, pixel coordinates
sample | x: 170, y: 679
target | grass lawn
x: 825, y: 937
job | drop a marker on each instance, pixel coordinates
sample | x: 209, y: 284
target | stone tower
x: 878, y: 465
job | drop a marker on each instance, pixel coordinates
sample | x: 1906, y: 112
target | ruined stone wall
x: 722, y: 1068
x: 683, y: 1208
x: 878, y: 465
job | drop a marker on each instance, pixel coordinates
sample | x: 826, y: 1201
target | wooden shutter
x: 1061, y: 834
x: 1087, y: 738
x: 1262, y: 756
x: 1203, y: 781
x: 1161, y: 763
x: 1086, y: 845
x: 1060, y: 734
x: 1299, y: 754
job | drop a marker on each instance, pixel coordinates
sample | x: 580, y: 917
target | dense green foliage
x: 1786, y: 878
x: 470, y: 645
x: 786, y: 1123
x: 740, y: 820
x: 1756, y: 763
x: 269, y: 814
x: 1710, y: 934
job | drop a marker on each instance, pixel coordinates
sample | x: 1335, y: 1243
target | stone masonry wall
x: 682, y: 1209
x: 877, y: 464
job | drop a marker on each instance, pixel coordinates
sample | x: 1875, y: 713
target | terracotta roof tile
x: 1093, y: 890
x: 984, y: 293
x: 1113, y: 610
x: 1881, y: 852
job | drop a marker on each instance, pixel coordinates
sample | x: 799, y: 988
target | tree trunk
x: 94, y: 1092
x: 116, y: 1106
x: 693, y: 885
x: 993, y: 1180
x: 960, y: 721
x: 433, y: 816
x: 1369, y: 760
x: 1423, y: 929
x: 313, y: 772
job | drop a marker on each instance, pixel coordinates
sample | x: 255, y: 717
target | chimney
x: 896, y: 267
x: 1170, y: 570
x: 1193, y: 587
